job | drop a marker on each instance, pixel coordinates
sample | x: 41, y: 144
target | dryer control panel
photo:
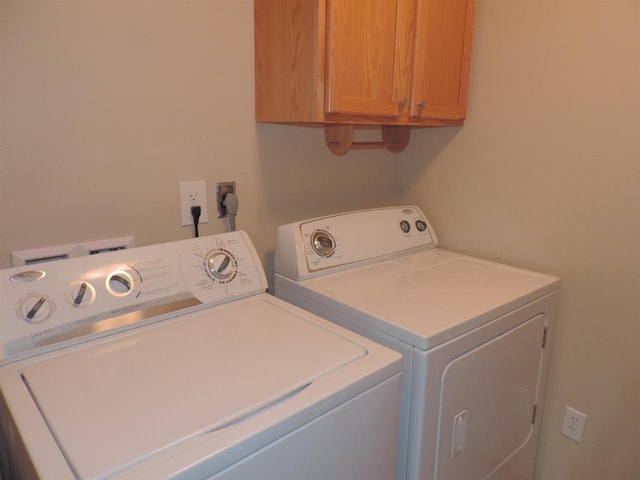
x: 45, y: 305
x: 314, y: 247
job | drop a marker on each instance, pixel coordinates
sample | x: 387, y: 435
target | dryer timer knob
x: 323, y: 243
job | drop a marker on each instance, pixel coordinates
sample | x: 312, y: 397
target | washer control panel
x: 47, y: 304
x: 312, y: 247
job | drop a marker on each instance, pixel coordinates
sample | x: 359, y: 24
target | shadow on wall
x: 424, y: 148
x: 302, y: 179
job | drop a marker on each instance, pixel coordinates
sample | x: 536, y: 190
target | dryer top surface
x: 430, y: 297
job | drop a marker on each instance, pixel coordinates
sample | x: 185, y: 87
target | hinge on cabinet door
x: 533, y: 416
x: 544, y: 337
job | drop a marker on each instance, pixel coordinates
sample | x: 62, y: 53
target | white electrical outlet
x: 573, y: 425
x: 193, y: 194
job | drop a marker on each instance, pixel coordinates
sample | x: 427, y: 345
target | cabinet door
x: 368, y: 49
x: 442, y: 58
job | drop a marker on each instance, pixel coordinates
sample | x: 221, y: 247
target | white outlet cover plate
x: 193, y: 193
x: 573, y: 424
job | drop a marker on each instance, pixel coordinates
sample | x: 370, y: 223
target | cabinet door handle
x: 421, y: 104
x: 401, y: 104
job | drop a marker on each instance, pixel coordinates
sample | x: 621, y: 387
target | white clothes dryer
x: 171, y: 361
x: 475, y: 335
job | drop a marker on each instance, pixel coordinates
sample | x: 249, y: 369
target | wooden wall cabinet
x: 343, y: 63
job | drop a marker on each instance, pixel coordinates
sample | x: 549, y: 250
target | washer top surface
x: 234, y: 360
x: 430, y: 297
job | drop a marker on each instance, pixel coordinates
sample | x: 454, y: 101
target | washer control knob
x: 221, y: 265
x: 323, y: 243
x: 421, y: 225
x: 405, y: 226
x: 119, y: 283
x: 80, y: 294
x: 36, y: 308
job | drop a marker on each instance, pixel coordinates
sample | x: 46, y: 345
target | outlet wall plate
x: 193, y: 194
x: 573, y: 424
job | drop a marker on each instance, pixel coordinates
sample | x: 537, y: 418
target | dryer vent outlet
x: 573, y: 425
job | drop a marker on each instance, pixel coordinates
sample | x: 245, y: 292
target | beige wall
x: 546, y: 175
x: 106, y: 105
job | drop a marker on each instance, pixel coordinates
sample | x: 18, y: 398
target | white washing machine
x: 475, y: 335
x: 171, y: 361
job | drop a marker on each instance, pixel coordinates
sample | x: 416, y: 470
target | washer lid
x: 121, y: 400
x: 428, y: 298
